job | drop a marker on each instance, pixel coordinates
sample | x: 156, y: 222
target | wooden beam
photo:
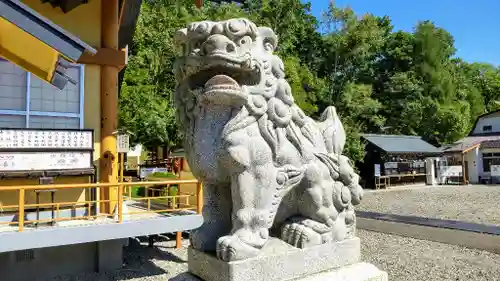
x: 199, y: 198
x: 106, y: 57
x: 122, y: 8
x: 471, y: 148
x: 178, y: 240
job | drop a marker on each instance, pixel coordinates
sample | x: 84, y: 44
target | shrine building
x: 63, y: 209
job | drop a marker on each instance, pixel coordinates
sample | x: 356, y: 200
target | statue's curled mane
x: 243, y: 131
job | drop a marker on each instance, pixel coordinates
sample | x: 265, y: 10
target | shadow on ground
x: 140, y: 261
x: 184, y: 277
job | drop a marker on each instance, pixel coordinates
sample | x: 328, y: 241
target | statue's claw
x: 299, y: 235
x: 303, y: 232
x: 232, y: 248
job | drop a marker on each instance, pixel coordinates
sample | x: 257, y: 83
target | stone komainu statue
x: 266, y: 167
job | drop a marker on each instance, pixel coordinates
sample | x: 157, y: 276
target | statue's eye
x: 245, y: 40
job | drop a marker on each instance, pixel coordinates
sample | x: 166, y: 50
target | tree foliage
x: 381, y: 80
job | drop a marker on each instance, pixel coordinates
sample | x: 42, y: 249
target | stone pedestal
x: 355, y: 272
x: 281, y: 262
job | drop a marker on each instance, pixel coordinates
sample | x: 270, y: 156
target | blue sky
x: 475, y: 25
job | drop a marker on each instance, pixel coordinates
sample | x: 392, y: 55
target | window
x: 28, y: 102
x: 487, y: 129
x: 490, y: 159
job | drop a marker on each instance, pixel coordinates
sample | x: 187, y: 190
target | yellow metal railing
x: 172, y: 200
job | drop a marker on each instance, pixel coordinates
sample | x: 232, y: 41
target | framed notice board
x: 45, y: 149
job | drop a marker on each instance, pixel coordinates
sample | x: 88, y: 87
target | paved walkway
x: 431, y: 222
x: 468, y: 203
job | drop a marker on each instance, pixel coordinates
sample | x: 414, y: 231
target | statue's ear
x: 181, y: 37
x: 269, y: 37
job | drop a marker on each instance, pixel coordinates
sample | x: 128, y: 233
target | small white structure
x: 429, y: 171
x: 480, y: 150
x: 134, y: 157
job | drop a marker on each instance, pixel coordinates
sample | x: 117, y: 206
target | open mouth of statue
x: 223, y: 84
x: 237, y: 74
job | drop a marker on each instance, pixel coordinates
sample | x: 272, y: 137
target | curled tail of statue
x: 339, y: 165
x: 332, y: 131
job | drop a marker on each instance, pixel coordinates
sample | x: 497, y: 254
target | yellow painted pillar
x: 108, y: 169
x: 199, y: 198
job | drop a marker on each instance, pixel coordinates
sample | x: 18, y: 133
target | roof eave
x: 43, y: 29
x: 366, y: 137
x: 471, y: 133
x: 415, y: 152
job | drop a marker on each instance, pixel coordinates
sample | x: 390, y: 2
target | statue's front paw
x: 232, y: 248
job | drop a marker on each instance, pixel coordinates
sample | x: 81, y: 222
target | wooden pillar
x: 199, y: 198
x: 108, y: 169
x: 198, y: 3
x: 178, y: 240
x: 463, y: 168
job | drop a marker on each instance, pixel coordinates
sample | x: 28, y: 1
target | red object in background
x: 199, y: 3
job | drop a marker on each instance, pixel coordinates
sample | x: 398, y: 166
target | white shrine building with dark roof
x: 480, y: 150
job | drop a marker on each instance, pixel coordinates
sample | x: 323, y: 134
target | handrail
x: 119, y: 212
x: 90, y: 185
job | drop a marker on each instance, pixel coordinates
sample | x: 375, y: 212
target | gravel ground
x: 142, y: 263
x: 405, y: 259
x: 476, y: 203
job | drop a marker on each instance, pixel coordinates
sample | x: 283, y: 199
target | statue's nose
x: 218, y: 44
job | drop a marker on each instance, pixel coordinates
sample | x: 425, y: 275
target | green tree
x: 380, y: 80
x: 146, y: 108
x: 351, y: 52
x: 486, y: 78
x: 145, y: 102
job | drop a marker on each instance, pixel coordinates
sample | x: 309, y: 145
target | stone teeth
x: 221, y: 88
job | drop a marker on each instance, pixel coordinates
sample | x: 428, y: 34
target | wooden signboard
x: 377, y: 170
x: 495, y: 170
x: 45, y: 139
x: 450, y: 171
x: 26, y: 161
x: 123, y: 143
x: 45, y: 149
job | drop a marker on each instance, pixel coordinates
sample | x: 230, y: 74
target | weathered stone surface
x: 355, y: 272
x: 265, y: 165
x: 267, y: 169
x: 277, y: 261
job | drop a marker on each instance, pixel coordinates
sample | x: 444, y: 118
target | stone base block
x: 355, y: 272
x: 280, y: 261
